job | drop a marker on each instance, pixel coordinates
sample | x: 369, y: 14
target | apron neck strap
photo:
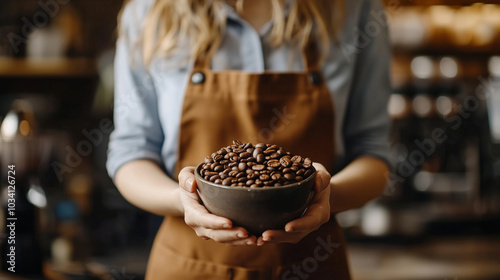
x: 310, y: 55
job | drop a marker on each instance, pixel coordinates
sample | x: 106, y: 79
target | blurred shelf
x: 454, y: 50
x: 437, y: 2
x: 47, y: 67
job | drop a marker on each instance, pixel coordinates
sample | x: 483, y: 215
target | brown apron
x: 293, y: 110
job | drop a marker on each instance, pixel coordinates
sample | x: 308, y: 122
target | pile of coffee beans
x: 262, y: 165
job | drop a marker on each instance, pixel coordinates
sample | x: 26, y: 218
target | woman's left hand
x: 316, y: 215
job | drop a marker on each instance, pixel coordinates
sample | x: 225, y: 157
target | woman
x: 193, y: 75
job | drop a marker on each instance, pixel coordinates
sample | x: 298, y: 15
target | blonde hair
x: 170, y: 22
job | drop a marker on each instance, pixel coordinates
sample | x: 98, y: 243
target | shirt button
x: 316, y: 78
x: 198, y: 78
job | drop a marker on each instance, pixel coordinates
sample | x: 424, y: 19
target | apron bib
x: 293, y: 110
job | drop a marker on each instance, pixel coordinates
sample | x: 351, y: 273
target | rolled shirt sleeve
x: 365, y: 127
x: 138, y: 133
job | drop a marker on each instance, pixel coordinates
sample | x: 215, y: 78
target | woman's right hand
x: 206, y: 225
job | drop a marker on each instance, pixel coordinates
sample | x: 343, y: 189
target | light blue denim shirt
x: 148, y: 102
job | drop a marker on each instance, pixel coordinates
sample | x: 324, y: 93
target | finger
x: 195, y: 215
x: 280, y: 236
x: 250, y: 241
x: 187, y: 180
x: 314, y: 217
x: 224, y: 235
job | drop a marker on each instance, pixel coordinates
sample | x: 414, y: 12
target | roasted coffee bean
x: 268, y: 183
x: 214, y: 177
x: 256, y: 152
x: 274, y: 163
x: 261, y: 145
x: 297, y: 159
x: 239, y: 150
x: 307, y: 163
x: 274, y: 155
x: 245, y: 155
x: 255, y: 166
x: 210, y: 173
x: 217, y: 157
x: 242, y: 166
x: 219, y: 168
x: 285, y: 161
x: 308, y: 173
x: 258, y: 167
x: 264, y: 177
x: 276, y: 176
x: 269, y: 151
x: 260, y: 158
x: 242, y: 180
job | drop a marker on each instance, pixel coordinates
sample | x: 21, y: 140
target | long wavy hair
x: 202, y: 22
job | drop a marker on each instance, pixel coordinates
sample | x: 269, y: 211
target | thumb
x: 322, y: 177
x: 187, y: 180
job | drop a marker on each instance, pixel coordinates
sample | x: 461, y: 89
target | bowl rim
x: 198, y: 176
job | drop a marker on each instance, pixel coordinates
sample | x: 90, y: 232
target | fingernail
x: 242, y: 235
x: 189, y: 182
x: 249, y: 243
x: 288, y: 229
x: 266, y: 238
x: 320, y: 181
x: 226, y: 226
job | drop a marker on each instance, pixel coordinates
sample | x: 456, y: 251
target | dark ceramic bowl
x: 257, y: 209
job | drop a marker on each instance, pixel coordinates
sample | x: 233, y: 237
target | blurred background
x: 439, y: 217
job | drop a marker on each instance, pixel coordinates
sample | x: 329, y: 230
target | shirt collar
x: 234, y: 16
